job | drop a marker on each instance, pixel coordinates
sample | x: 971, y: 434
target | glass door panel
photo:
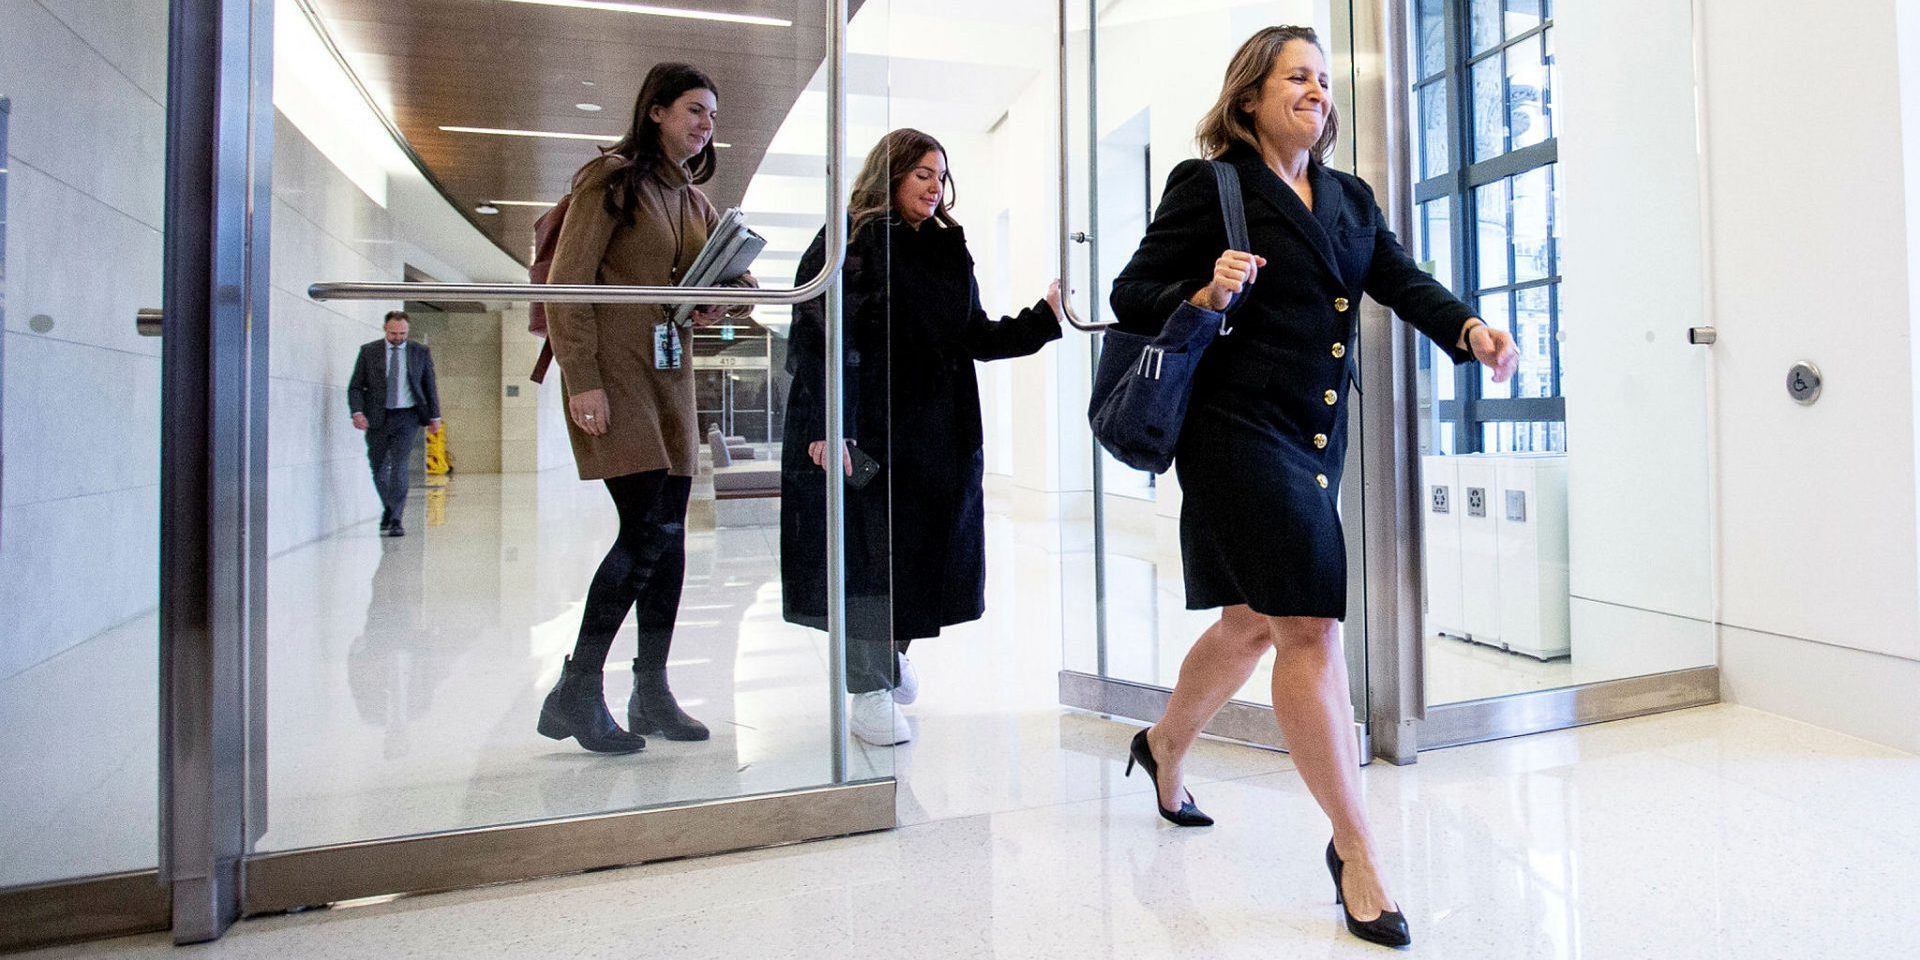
x: 408, y: 672
x: 83, y: 131
x: 1124, y: 138
x: 1566, y: 512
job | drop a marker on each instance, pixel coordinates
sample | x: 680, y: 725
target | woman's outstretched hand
x: 1232, y: 273
x: 1494, y: 349
x: 1053, y: 300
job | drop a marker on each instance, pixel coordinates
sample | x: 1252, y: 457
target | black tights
x: 645, y: 568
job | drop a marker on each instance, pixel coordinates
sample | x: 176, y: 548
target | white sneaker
x: 876, y: 719
x: 909, y: 689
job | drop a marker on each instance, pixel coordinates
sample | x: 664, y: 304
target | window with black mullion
x: 1487, y: 150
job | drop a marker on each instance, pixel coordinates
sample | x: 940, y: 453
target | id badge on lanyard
x: 667, y: 353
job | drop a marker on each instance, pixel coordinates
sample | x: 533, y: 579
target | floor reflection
x: 406, y: 674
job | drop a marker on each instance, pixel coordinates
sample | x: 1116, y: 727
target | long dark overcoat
x: 1261, y: 451
x: 914, y: 328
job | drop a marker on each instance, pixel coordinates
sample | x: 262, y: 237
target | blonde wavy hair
x: 1229, y: 121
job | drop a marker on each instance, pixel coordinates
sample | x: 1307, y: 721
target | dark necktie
x: 394, y: 373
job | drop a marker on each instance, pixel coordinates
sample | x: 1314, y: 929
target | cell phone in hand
x: 865, y: 468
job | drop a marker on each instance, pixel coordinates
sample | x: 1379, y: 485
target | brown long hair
x: 1229, y: 121
x: 640, y: 148
x: 887, y: 164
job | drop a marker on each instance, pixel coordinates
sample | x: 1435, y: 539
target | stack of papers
x: 727, y: 256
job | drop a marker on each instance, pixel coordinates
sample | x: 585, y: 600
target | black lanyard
x: 678, y: 226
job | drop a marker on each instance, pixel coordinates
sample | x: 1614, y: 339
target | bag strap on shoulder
x: 1233, y: 210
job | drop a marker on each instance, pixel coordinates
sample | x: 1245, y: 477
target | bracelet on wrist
x: 1466, y: 332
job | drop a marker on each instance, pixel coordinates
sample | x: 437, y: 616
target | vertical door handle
x: 1066, y: 167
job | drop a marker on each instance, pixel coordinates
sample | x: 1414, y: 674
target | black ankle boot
x: 652, y: 708
x: 577, y: 708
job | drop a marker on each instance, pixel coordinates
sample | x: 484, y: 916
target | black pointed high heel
x: 1188, y: 815
x: 1389, y: 929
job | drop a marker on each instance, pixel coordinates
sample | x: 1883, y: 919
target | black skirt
x: 1259, y: 517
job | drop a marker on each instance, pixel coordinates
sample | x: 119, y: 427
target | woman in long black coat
x: 1261, y: 450
x: 914, y: 328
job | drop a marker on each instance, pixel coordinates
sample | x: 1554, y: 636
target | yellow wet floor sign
x: 438, y: 465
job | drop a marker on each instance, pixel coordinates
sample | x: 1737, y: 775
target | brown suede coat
x: 610, y: 346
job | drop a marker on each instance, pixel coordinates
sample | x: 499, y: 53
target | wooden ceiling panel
x: 499, y: 64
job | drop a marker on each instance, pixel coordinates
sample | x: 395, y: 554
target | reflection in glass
x: 1487, y: 27
x: 1533, y: 336
x: 1521, y: 16
x: 1436, y: 238
x: 1532, y: 207
x: 1489, y: 110
x: 1434, y: 158
x: 1491, y: 236
x: 1433, y: 37
x: 1529, y: 98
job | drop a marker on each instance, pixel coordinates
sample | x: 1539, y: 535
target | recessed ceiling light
x: 522, y: 203
x: 486, y: 209
x: 588, y: 107
x: 588, y: 83
x: 721, y: 146
x: 650, y: 10
x: 548, y: 134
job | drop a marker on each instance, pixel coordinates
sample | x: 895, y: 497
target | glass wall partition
x: 414, y: 666
x: 83, y: 136
x: 1565, y: 513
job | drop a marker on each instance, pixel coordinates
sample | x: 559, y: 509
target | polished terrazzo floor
x: 1719, y: 832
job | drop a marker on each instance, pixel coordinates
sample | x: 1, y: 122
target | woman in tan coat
x: 635, y: 218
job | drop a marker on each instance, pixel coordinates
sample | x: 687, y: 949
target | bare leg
x: 1312, y: 703
x: 1217, y: 667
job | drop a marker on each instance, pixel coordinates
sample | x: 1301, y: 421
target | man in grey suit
x: 390, y: 409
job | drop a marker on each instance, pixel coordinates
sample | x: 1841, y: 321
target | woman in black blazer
x: 1260, y: 454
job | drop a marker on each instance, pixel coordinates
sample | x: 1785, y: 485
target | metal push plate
x: 1803, y: 383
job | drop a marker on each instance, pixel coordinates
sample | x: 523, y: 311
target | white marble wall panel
x: 76, y: 117
x: 318, y: 499
x: 127, y: 34
x: 86, y: 152
x: 71, y: 568
x: 86, y: 265
x: 80, y: 420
